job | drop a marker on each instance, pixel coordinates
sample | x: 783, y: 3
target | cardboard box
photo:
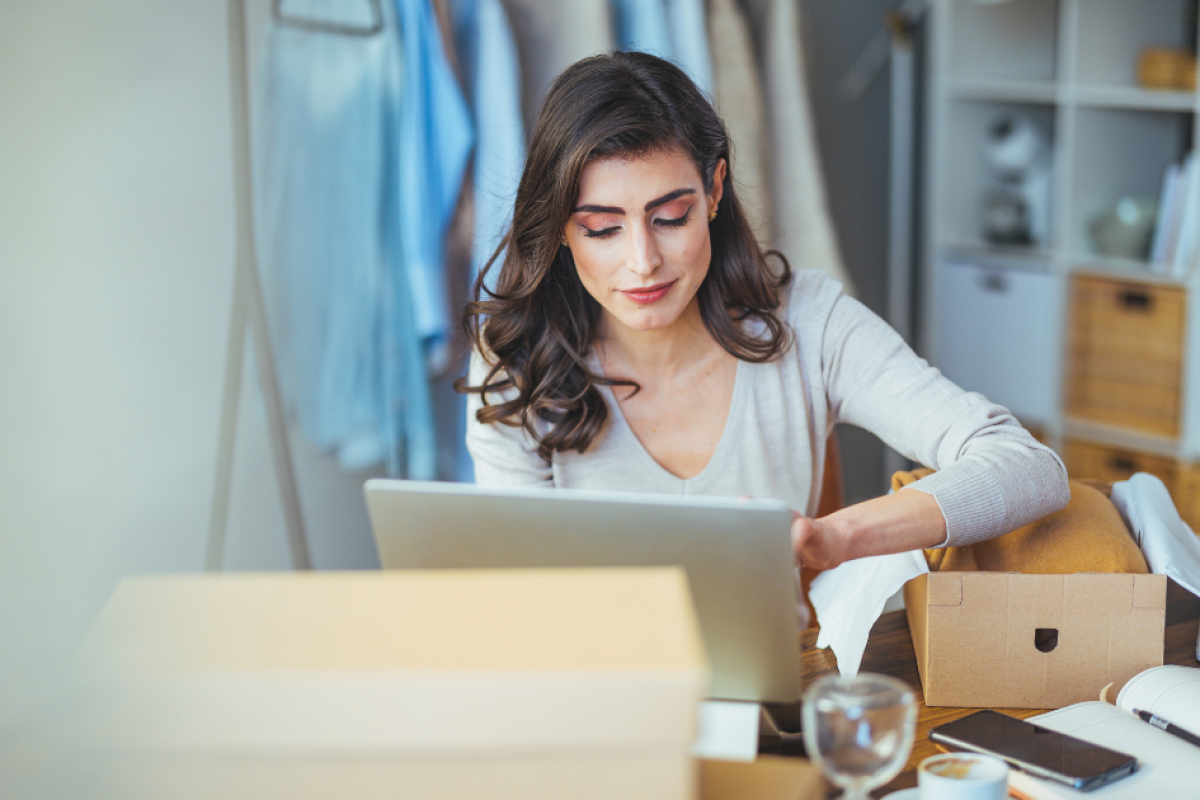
x: 767, y: 778
x: 1003, y: 640
x: 480, y: 684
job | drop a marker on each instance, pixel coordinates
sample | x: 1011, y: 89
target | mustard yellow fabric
x: 1086, y: 536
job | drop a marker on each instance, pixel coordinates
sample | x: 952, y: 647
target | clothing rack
x: 248, y: 313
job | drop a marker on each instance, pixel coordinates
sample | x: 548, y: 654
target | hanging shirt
x: 739, y: 100
x: 689, y: 41
x: 500, y: 149
x: 326, y: 220
x: 802, y: 226
x: 552, y: 36
x: 435, y: 142
x: 642, y: 25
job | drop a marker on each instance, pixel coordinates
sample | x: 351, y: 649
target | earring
x: 713, y: 215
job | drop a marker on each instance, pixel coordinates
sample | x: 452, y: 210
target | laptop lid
x: 737, y: 555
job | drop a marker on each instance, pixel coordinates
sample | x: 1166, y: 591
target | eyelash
x: 678, y: 222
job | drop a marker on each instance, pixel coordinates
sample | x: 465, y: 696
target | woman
x: 637, y: 339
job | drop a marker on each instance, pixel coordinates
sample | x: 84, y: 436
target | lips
x: 648, y: 294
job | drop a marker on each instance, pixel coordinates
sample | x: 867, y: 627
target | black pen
x: 1163, y: 725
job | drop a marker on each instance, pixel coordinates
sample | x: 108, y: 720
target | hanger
x: 323, y: 26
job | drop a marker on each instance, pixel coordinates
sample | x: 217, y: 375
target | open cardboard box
x: 472, y: 684
x: 1005, y: 640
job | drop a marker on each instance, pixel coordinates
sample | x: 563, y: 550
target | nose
x: 644, y: 257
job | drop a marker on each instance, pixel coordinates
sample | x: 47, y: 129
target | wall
x: 116, y: 271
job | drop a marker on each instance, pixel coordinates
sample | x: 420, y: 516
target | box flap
x: 945, y: 588
x: 1150, y: 591
x: 767, y: 778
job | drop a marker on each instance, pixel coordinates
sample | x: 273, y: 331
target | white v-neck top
x: 844, y: 365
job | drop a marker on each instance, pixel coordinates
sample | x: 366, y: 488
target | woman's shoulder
x: 809, y: 299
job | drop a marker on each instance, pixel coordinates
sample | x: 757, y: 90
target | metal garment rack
x: 249, y: 312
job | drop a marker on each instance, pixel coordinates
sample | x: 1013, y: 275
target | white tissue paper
x: 1170, y: 546
x: 849, y: 598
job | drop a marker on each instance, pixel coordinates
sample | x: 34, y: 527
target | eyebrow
x: 655, y: 203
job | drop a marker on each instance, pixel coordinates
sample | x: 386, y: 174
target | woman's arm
x: 992, y: 476
x: 894, y: 523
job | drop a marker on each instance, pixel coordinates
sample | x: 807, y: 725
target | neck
x: 663, y: 352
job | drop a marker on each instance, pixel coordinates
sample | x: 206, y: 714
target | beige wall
x: 116, y: 268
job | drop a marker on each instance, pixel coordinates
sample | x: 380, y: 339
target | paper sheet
x: 849, y: 599
x: 727, y: 730
x: 1170, y: 546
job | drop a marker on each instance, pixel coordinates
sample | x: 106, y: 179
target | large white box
x: 428, y: 684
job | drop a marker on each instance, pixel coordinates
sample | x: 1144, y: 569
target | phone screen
x: 1024, y: 743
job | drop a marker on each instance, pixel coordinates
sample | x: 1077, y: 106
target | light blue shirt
x: 642, y: 25
x: 359, y: 148
x: 436, y: 137
x: 689, y: 40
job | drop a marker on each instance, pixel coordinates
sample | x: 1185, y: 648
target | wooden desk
x: 890, y: 651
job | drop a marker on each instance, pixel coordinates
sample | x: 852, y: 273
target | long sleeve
x: 504, y: 455
x: 992, y: 477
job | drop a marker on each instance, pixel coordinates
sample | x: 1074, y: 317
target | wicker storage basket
x: 1167, y: 68
x: 1110, y: 464
x: 1125, y: 354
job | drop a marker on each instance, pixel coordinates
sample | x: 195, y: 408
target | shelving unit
x: 1001, y: 320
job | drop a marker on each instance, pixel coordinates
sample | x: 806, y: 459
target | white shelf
x: 1116, y: 436
x: 1069, y: 66
x: 963, y: 160
x: 1131, y: 97
x: 1113, y: 33
x: 1005, y: 91
x: 1124, y: 269
x: 1025, y: 259
x: 1118, y: 153
x: 1011, y: 41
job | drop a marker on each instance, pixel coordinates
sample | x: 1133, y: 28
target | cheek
x: 590, y: 271
x: 694, y: 252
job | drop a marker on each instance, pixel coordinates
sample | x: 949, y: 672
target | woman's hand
x: 907, y: 520
x: 817, y: 543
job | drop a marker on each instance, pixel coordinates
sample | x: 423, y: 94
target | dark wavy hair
x: 536, y: 327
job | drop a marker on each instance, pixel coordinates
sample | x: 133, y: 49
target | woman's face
x: 639, y: 236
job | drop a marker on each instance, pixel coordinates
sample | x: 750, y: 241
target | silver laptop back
x: 737, y: 555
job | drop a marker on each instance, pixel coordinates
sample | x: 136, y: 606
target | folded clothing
x: 1088, y: 535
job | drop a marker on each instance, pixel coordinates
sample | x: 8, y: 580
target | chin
x: 648, y: 320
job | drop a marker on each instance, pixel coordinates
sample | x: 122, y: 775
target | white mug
x: 962, y: 776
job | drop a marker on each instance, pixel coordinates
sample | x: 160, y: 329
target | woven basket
x: 1167, y: 68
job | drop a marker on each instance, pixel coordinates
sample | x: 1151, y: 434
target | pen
x: 1163, y: 725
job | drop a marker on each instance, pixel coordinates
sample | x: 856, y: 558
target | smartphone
x: 1039, y: 751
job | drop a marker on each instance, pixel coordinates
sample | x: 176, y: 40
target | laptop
x: 737, y: 555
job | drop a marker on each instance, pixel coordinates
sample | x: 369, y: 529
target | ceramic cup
x: 962, y: 776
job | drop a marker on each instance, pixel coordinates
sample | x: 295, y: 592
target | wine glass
x: 859, y: 731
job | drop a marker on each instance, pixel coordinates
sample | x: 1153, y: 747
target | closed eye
x: 600, y: 234
x: 677, y: 222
